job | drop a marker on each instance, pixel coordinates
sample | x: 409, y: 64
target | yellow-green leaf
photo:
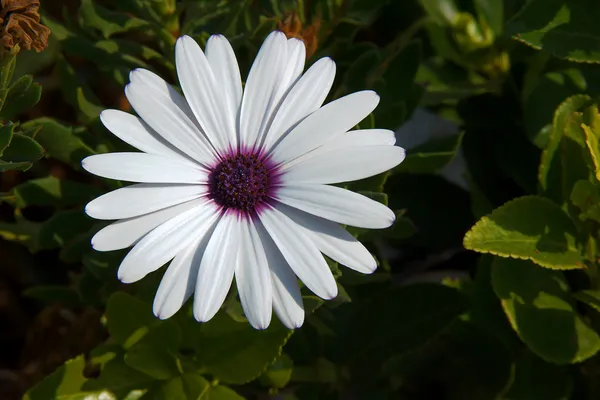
x: 529, y: 227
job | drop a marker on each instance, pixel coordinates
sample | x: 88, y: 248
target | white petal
x: 345, y: 164
x: 217, y: 268
x: 306, y: 96
x: 332, y: 119
x: 300, y: 252
x: 126, y: 232
x: 150, y: 79
x: 295, y: 58
x: 253, y: 277
x: 334, y: 241
x: 142, y: 198
x: 224, y: 65
x: 337, y: 204
x: 166, y: 118
x: 179, y: 282
x: 166, y: 241
x: 137, y: 133
x: 262, y: 88
x: 361, y: 137
x: 287, y: 299
x: 199, y: 86
x: 146, y: 168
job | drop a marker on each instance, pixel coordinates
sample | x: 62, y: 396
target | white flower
x: 237, y: 183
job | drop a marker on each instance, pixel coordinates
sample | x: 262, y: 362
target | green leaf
x: 51, y: 191
x: 590, y: 297
x: 14, y: 166
x: 431, y: 156
x: 443, y: 12
x: 220, y: 392
x: 64, y: 384
x: 537, y: 301
x: 23, y: 148
x: 54, y: 294
x: 77, y: 93
x: 561, y: 27
x: 61, y: 228
x: 6, y: 134
x: 592, y: 139
x: 536, y: 379
x: 565, y: 159
x: 586, y: 196
x: 22, y: 96
x: 106, y: 21
x: 278, y: 374
x: 128, y: 319
x: 153, y: 360
x: 406, y: 318
x: 184, y: 387
x: 7, y: 67
x: 492, y: 11
x: 531, y: 228
x: 234, y: 352
x: 60, y: 141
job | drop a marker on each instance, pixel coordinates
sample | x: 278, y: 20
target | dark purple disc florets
x: 242, y: 181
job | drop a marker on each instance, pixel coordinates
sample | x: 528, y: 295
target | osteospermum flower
x: 234, y: 182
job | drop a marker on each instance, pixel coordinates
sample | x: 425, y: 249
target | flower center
x: 243, y: 181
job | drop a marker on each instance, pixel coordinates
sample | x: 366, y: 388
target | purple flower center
x: 243, y: 181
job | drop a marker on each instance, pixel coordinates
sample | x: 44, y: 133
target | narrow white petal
x: 337, y: 204
x: 165, y: 117
x: 126, y: 232
x: 137, y: 133
x: 334, y: 241
x: 140, y: 199
x: 217, y: 268
x: 262, y: 88
x: 361, y: 137
x: 296, y: 56
x: 345, y: 164
x: 179, y: 282
x: 199, y: 86
x: 253, y: 277
x: 287, y: 299
x: 225, y: 67
x: 145, y: 168
x: 300, y: 252
x: 166, y: 241
x: 306, y: 96
x: 150, y: 79
x: 332, y: 119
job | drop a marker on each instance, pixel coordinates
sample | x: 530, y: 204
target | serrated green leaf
x: 6, y: 134
x: 431, y: 156
x: 278, y: 374
x: 107, y: 22
x: 22, y: 96
x: 565, y: 159
x: 15, y: 166
x: 51, y: 191
x: 563, y: 28
x: 537, y: 301
x: 586, y: 196
x: 60, y: 141
x: 593, y: 143
x: 22, y: 149
x: 234, y: 352
x: 528, y: 227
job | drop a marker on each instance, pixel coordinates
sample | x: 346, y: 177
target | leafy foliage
x: 488, y: 284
